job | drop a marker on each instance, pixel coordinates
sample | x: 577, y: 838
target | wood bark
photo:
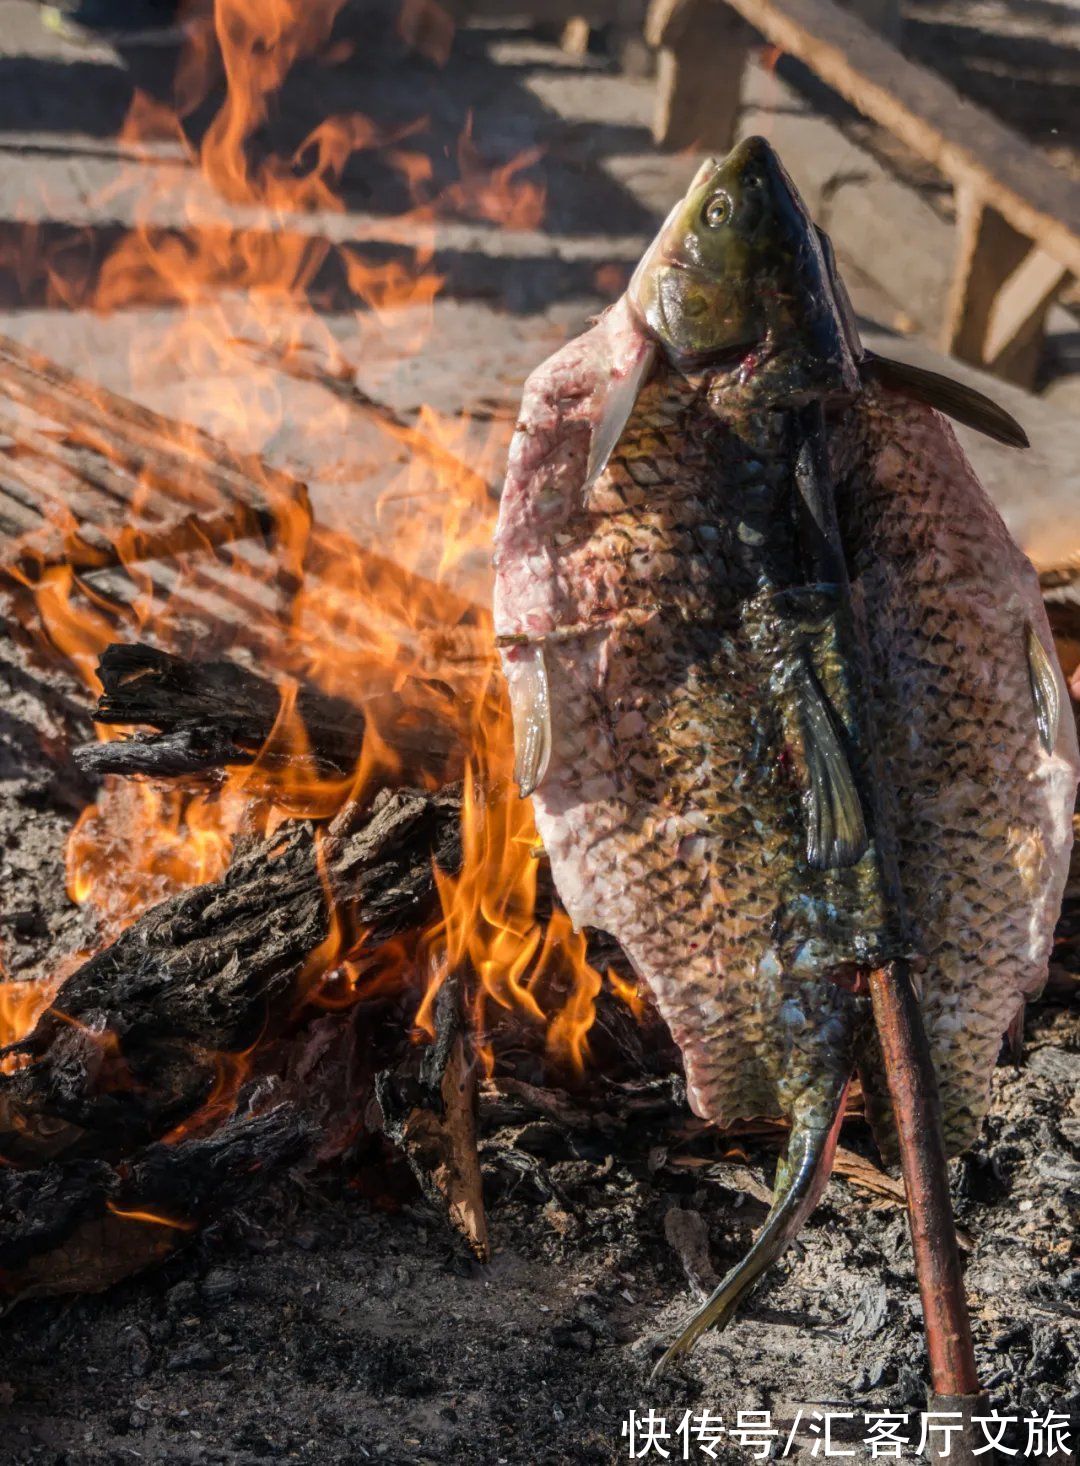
x: 82, y: 1225
x: 211, y: 714
x: 430, y: 1110
x: 132, y: 1043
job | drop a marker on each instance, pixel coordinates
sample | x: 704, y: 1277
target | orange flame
x: 223, y: 235
x: 157, y: 1219
x: 21, y: 1005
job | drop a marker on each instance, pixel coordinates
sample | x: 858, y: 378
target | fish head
x: 739, y: 270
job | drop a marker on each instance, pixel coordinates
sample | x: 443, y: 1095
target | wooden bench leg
x: 1017, y: 326
x: 702, y: 57
x: 1002, y: 288
x: 574, y: 37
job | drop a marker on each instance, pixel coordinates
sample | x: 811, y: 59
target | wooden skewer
x: 916, y: 1108
x: 909, y: 1068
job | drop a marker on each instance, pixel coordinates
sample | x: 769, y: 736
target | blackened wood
x: 430, y: 1109
x: 185, y: 753
x: 80, y: 1226
x: 210, y: 714
x: 128, y: 1048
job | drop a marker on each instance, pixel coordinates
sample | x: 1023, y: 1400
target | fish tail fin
x: 801, y: 1177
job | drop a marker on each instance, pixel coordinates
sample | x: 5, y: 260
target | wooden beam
x: 988, y: 250
x: 1002, y: 287
x: 1019, y: 311
x: 702, y: 56
x: 967, y: 144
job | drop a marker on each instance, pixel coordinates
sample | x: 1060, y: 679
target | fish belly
x: 981, y: 809
x: 670, y: 810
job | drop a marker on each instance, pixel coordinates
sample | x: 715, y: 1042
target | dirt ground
x: 337, y: 1319
x: 332, y: 1321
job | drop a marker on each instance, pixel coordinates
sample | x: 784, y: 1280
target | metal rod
x: 916, y: 1108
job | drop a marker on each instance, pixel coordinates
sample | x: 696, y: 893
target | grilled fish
x: 769, y: 750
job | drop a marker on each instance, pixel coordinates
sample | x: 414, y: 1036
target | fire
x: 223, y: 237
x: 157, y: 1219
x: 21, y: 1005
x: 141, y: 844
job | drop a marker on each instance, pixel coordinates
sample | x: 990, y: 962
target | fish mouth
x: 676, y: 262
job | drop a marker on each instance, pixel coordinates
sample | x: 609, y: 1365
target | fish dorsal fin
x: 835, y: 825
x: 1044, y: 690
x: 530, y: 704
x: 612, y: 413
x: 955, y: 399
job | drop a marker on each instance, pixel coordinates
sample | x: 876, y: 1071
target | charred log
x: 134, y: 1039
x: 429, y: 1110
x: 211, y: 714
x: 80, y: 1226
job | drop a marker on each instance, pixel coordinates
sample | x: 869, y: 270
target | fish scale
x: 783, y: 689
x: 657, y: 704
x: 980, y: 808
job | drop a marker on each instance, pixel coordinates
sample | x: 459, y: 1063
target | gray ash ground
x: 338, y: 1320
x: 318, y: 1326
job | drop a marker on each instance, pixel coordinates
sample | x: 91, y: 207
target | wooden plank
x: 967, y: 144
x: 703, y: 51
x: 189, y: 459
x: 988, y: 249
x: 1019, y: 311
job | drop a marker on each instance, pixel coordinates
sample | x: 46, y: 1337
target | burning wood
x: 153, y: 1039
x: 144, y: 1035
x: 79, y: 1226
x: 431, y: 1113
x: 210, y: 714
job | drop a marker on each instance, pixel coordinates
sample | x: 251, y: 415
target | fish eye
x: 717, y: 210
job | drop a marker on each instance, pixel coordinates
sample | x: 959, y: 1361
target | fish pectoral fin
x: 619, y: 396
x: 1044, y: 690
x: 955, y: 399
x: 835, y: 824
x: 530, y: 705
